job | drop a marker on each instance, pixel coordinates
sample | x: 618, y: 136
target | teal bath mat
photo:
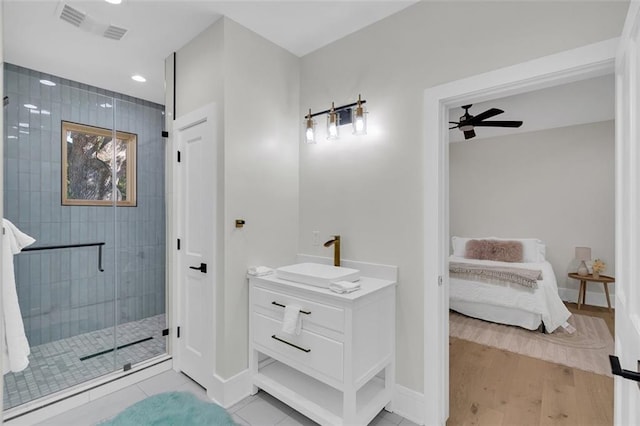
x: 172, y: 409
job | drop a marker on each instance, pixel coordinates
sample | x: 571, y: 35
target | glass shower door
x: 84, y: 176
x: 140, y: 234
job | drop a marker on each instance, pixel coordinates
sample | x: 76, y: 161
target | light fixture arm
x: 336, y: 109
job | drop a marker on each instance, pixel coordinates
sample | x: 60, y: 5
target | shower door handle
x: 202, y: 268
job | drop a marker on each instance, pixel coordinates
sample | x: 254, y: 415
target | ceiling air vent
x: 114, y: 33
x: 72, y: 16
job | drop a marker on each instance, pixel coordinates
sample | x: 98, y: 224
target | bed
x: 496, y: 300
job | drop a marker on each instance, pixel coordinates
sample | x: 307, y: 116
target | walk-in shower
x: 84, y: 176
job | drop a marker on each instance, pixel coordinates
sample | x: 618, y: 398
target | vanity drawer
x: 309, y: 350
x: 327, y: 316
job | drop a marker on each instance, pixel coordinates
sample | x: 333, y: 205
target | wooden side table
x: 604, y: 279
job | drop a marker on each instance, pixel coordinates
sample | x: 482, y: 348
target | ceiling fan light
x: 466, y: 128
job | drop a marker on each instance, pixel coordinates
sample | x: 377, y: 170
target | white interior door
x: 626, y: 392
x: 195, y: 136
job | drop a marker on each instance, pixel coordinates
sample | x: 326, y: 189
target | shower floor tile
x: 57, y: 365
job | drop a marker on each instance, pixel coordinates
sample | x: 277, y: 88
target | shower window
x: 89, y: 161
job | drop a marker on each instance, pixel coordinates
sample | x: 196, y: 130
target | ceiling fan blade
x: 498, y: 124
x: 469, y: 134
x: 487, y: 114
x: 454, y: 127
x: 454, y: 122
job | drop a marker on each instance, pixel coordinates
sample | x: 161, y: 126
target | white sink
x: 317, y: 274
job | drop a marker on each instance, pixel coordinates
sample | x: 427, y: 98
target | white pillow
x: 533, y: 250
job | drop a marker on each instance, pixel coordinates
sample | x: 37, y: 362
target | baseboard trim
x: 593, y: 297
x: 409, y: 404
x: 227, y: 392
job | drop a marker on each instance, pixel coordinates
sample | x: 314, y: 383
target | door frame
x: 565, y: 67
x: 627, y: 318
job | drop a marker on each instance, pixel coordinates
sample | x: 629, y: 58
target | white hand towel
x: 344, y: 286
x: 17, y: 238
x: 16, y: 352
x: 292, y: 322
x: 258, y: 271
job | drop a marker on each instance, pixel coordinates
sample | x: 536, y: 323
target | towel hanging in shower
x: 16, y: 349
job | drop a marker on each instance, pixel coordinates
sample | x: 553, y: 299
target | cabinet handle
x: 290, y: 344
x: 284, y: 306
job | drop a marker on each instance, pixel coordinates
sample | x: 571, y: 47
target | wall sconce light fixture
x: 332, y: 123
x: 336, y: 117
x: 310, y: 133
x: 359, y: 119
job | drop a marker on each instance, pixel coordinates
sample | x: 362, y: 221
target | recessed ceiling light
x: 47, y: 82
x: 34, y: 111
x: 106, y: 105
x: 12, y: 137
x: 138, y: 78
x: 30, y: 106
x: 24, y: 132
x: 114, y: 1
x: 23, y: 124
x: 45, y: 112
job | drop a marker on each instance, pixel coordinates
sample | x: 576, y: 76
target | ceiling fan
x: 468, y: 122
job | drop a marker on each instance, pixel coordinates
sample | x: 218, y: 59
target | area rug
x: 587, y: 349
x: 172, y: 408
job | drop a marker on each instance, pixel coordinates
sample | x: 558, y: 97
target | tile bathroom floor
x: 58, y: 365
x: 258, y: 410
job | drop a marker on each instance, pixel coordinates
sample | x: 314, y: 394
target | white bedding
x: 544, y: 300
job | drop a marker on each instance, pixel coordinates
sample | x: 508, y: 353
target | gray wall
x: 556, y: 185
x: 61, y: 293
x: 370, y: 189
x: 255, y: 85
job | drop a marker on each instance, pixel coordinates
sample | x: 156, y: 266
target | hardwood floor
x: 594, y: 311
x: 489, y: 386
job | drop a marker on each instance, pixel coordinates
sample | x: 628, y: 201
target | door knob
x: 202, y: 268
x: 617, y: 370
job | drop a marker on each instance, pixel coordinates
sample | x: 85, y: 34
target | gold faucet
x: 336, y: 249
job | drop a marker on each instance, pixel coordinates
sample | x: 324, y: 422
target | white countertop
x: 367, y: 286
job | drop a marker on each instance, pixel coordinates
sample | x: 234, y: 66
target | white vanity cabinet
x: 340, y: 369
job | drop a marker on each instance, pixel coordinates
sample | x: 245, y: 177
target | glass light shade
x: 310, y: 135
x: 359, y: 118
x: 332, y: 124
x: 310, y: 132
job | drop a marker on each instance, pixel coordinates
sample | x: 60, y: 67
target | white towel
x: 258, y: 271
x: 292, y: 322
x: 16, y: 352
x: 344, y: 286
